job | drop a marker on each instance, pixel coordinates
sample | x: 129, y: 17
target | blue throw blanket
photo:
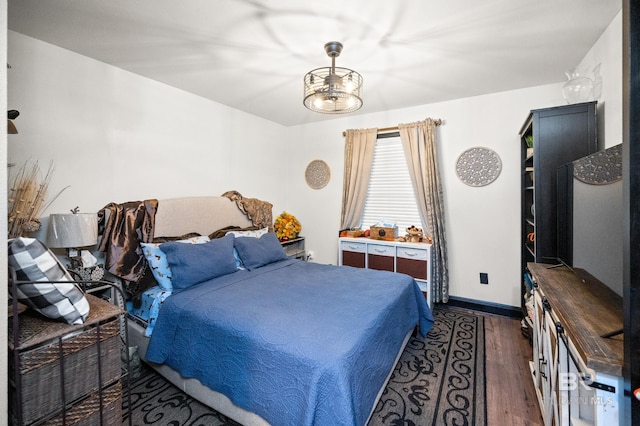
x: 297, y: 343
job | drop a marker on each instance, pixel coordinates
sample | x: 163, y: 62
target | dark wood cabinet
x: 549, y: 138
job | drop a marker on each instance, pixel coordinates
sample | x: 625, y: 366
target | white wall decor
x: 478, y: 166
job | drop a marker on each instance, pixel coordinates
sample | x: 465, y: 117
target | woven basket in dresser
x: 65, y: 371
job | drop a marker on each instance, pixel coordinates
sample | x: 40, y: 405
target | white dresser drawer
x: 353, y: 246
x: 412, y: 253
x: 381, y: 250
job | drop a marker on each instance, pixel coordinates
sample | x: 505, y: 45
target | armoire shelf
x: 560, y: 135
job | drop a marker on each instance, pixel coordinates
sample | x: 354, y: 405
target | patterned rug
x: 439, y: 380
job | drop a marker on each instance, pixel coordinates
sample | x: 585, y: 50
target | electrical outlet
x: 484, y: 278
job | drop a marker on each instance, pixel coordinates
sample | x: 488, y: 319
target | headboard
x: 204, y: 215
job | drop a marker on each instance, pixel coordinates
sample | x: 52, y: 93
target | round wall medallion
x: 478, y: 166
x: 600, y: 168
x: 317, y: 174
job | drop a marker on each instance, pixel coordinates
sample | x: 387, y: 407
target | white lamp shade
x: 72, y: 230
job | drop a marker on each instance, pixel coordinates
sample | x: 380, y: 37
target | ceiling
x: 252, y: 54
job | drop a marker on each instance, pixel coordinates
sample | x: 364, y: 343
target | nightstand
x: 294, y: 248
x: 103, y: 291
x: 86, y: 358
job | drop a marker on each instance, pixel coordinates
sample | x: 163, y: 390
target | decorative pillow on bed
x: 257, y: 252
x: 188, y: 236
x: 158, y: 263
x: 254, y: 233
x: 195, y: 263
x: 257, y: 233
x: 223, y: 231
x: 33, y: 261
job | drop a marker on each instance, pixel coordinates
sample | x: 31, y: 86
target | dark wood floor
x: 511, y: 398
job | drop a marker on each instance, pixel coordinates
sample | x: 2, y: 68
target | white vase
x: 578, y: 88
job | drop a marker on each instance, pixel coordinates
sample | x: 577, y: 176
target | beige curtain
x: 419, y: 143
x: 358, y: 157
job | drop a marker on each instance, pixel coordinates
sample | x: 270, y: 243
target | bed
x: 277, y: 340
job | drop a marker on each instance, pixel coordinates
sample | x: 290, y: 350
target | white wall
x: 482, y: 224
x: 607, y: 51
x: 115, y: 136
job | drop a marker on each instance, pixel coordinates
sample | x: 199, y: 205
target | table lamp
x: 73, y: 231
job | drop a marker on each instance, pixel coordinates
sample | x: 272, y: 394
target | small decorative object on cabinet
x: 294, y: 248
x: 286, y: 226
x: 576, y: 369
x: 66, y: 374
x: 559, y: 135
x: 578, y: 88
x: 413, y: 259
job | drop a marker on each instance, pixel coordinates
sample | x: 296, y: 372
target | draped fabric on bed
x: 295, y: 342
x: 124, y: 227
x: 257, y: 210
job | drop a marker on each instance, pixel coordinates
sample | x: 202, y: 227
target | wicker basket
x: 87, y: 412
x: 83, y: 348
x: 383, y: 233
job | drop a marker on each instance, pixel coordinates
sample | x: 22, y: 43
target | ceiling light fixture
x: 333, y: 90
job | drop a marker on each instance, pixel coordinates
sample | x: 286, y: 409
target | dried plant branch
x: 26, y: 198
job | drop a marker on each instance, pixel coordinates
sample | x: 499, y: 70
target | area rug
x: 439, y: 380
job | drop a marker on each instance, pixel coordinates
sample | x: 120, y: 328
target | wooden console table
x: 576, y: 371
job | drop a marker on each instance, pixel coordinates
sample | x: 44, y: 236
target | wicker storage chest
x: 383, y: 233
x: 63, y: 368
x: 88, y: 412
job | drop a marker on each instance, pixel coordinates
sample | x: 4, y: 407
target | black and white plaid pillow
x: 33, y: 261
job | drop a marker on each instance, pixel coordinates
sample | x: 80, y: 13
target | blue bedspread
x: 297, y: 343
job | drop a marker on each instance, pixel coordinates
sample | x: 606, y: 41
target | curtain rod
x: 395, y: 128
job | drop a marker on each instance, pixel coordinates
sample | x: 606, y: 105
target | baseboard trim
x: 488, y: 307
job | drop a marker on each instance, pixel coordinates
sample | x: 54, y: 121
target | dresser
x: 413, y: 259
x: 576, y: 369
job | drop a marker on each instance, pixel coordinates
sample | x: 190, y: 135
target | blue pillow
x: 195, y: 263
x: 248, y: 233
x: 157, y: 260
x: 257, y: 252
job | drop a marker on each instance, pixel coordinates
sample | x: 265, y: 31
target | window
x: 390, y: 196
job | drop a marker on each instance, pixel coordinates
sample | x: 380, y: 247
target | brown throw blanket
x: 258, y: 211
x: 127, y: 226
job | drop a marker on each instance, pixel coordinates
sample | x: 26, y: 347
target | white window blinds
x: 390, y: 196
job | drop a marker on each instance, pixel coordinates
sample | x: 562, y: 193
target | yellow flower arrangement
x: 286, y: 226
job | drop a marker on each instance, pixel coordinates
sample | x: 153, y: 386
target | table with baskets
x: 62, y: 374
